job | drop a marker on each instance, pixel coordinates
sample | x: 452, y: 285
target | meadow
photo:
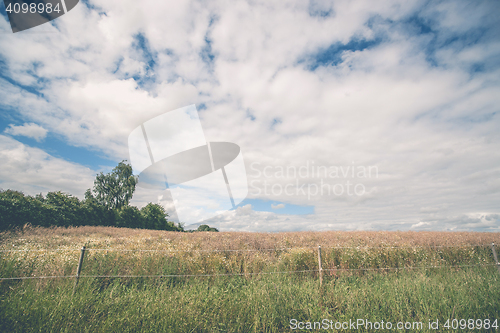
x: 245, y: 282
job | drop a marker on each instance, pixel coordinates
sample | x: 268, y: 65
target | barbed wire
x: 242, y: 274
x: 254, y: 250
x: 37, y: 277
x: 408, y: 267
x: 404, y: 247
x: 149, y: 250
x: 175, y: 250
x: 41, y: 250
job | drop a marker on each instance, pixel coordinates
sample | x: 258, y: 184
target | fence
x: 320, y: 269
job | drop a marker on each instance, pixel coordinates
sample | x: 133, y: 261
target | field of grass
x: 248, y: 291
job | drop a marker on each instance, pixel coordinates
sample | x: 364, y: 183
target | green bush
x: 64, y: 210
x: 106, y: 205
x: 205, y: 227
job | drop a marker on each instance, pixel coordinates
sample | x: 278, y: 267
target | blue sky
x: 280, y: 207
x: 410, y: 87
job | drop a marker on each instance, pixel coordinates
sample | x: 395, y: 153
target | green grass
x: 58, y: 263
x: 263, y: 303
x: 257, y: 301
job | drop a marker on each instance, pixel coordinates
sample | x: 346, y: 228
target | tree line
x: 106, y: 204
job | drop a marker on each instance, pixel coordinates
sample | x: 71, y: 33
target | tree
x: 155, y: 217
x: 106, y: 204
x: 61, y: 209
x: 96, y: 214
x: 56, y: 209
x: 129, y: 217
x: 206, y: 227
x: 114, y: 190
x: 15, y: 209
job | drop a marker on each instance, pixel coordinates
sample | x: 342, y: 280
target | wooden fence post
x: 79, y: 269
x: 320, y: 267
x: 495, y: 255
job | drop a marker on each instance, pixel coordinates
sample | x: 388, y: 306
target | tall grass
x: 260, y: 299
x: 115, y: 251
x: 239, y: 304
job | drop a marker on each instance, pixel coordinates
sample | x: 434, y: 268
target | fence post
x: 320, y: 267
x: 79, y: 269
x: 495, y: 255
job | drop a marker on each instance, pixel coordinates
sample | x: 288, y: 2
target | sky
x: 350, y: 115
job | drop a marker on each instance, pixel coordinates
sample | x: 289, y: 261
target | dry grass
x: 124, y: 238
x: 248, y: 303
x: 193, y: 253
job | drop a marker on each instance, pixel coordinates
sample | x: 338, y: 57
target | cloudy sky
x: 350, y: 115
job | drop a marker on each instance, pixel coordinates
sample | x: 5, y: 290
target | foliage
x: 56, y: 209
x: 154, y: 217
x: 129, y: 217
x: 205, y: 227
x: 64, y: 210
x: 106, y: 205
x: 114, y: 190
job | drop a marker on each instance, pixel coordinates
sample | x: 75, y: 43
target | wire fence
x: 320, y: 270
x: 255, y: 250
x: 239, y: 274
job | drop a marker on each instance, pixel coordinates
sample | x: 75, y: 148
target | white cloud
x: 33, y: 171
x: 412, y: 104
x: 244, y: 210
x: 30, y: 130
x: 278, y: 206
